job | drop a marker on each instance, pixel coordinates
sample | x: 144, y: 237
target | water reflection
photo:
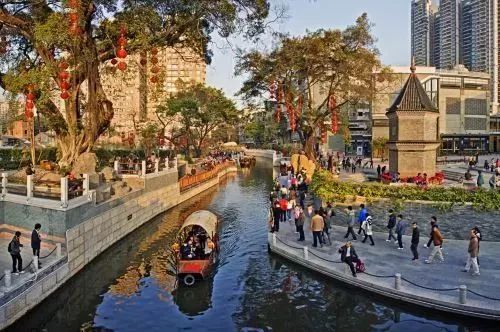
x: 194, y: 300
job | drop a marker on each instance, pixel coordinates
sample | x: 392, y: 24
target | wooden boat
x: 247, y: 161
x: 198, y: 247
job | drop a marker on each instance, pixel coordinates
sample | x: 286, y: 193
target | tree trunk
x: 309, y: 147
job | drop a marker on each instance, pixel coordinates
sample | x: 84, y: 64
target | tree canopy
x: 39, y: 39
x: 194, y: 113
x: 309, y: 70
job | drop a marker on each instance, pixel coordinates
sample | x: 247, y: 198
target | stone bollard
x: 64, y: 192
x: 8, y: 278
x: 166, y: 163
x: 29, y: 186
x: 274, y: 239
x: 306, y: 253
x: 397, y: 281
x: 4, y: 184
x: 58, y: 250
x: 143, y: 168
x: 462, y: 294
x: 157, y: 166
x: 35, y: 263
x: 116, y: 166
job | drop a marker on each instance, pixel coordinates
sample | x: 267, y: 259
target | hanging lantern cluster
x: 121, y: 53
x: 279, y: 100
x: 332, y: 106
x: 64, y: 84
x: 291, y: 112
x: 300, y: 104
x: 323, y: 134
x: 30, y: 104
x: 154, y: 69
x: 144, y: 58
x: 73, y: 17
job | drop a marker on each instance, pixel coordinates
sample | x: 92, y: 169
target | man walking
x: 36, y: 241
x: 400, y: 230
x: 415, y: 238
x: 367, y: 226
x: 348, y: 255
x: 473, y: 251
x: 299, y: 223
x: 15, y: 252
x: 390, y: 225
x: 361, y: 217
x: 317, y: 226
x: 433, y: 224
x: 350, y: 223
x: 437, y: 239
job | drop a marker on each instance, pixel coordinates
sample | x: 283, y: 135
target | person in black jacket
x: 15, y: 252
x: 36, y: 241
x: 390, y: 226
x: 415, y: 238
x: 348, y: 255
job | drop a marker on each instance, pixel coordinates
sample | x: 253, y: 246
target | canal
x: 131, y: 288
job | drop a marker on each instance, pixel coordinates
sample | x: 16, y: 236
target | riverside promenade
x: 439, y: 286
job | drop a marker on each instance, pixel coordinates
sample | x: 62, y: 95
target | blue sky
x: 392, y: 30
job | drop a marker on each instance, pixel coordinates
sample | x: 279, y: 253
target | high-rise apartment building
x: 421, y: 34
x: 449, y: 34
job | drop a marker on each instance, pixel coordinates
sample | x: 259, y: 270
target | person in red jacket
x: 283, y: 207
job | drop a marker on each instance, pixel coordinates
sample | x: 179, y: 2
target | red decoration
x: 300, y: 104
x: 143, y: 62
x: 122, y: 41
x: 63, y: 65
x: 29, y: 104
x: 30, y: 96
x: 154, y: 51
x: 73, y: 17
x: 154, y: 79
x: 323, y: 135
x: 122, y: 54
x: 332, y: 105
x: 154, y: 60
x: 64, y: 85
x: 64, y: 75
x: 73, y: 4
x: 155, y: 70
x: 64, y: 95
x: 114, y: 61
x: 122, y: 66
x: 272, y: 90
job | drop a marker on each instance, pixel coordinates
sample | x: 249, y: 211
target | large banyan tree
x: 52, y: 51
x: 311, y: 78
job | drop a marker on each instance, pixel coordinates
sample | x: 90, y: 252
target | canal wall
x: 268, y: 154
x: 95, y: 231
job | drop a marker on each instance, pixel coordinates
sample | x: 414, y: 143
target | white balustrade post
x: 4, y: 184
x: 8, y: 278
x: 166, y: 162
x: 35, y: 263
x: 306, y: 253
x: 175, y: 162
x: 64, y: 192
x: 86, y: 184
x: 157, y: 166
x: 116, y: 166
x: 397, y: 281
x: 58, y: 250
x: 274, y: 239
x: 462, y: 294
x: 143, y: 168
x: 29, y: 186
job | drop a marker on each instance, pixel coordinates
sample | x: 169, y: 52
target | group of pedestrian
x: 15, y: 245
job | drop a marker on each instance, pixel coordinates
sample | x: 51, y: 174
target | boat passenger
x: 187, y: 250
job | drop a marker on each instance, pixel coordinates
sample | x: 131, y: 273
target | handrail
x: 189, y: 181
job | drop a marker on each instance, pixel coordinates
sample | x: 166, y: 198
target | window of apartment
x: 453, y: 105
x: 475, y: 106
x: 475, y: 124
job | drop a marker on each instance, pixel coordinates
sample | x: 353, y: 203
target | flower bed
x: 330, y: 189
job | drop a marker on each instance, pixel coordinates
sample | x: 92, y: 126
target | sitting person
x: 348, y: 255
x: 468, y: 175
x: 187, y: 250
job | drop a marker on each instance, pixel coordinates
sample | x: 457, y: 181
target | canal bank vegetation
x: 331, y: 189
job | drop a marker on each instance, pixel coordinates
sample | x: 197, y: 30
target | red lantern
x: 122, y: 41
x: 123, y: 30
x: 73, y: 17
x: 64, y: 75
x: 154, y: 51
x: 29, y: 105
x: 122, y: 54
x: 272, y: 90
x: 28, y: 114
x: 30, y: 96
x: 114, y: 61
x: 155, y: 70
x: 335, y: 124
x: 143, y: 62
x: 122, y: 66
x: 64, y: 95
x: 323, y: 134
x: 332, y: 105
x: 154, y: 60
x: 73, y: 4
x: 154, y: 79
x: 64, y: 85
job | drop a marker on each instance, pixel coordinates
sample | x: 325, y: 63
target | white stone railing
x: 136, y: 169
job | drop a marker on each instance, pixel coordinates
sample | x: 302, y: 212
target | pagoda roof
x: 412, y: 97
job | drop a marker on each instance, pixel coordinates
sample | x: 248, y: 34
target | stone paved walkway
x: 384, y: 259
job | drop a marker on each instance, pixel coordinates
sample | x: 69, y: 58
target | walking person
x: 284, y: 208
x: 433, y: 224
x: 437, y: 239
x: 289, y: 209
x: 361, y: 217
x: 299, y: 223
x: 36, y: 241
x: 348, y: 255
x: 473, y: 252
x: 390, y: 225
x: 367, y: 225
x: 400, y: 230
x: 317, y: 226
x: 480, y: 179
x: 415, y: 238
x: 350, y: 223
x: 15, y: 252
x: 479, y: 236
x: 276, y: 216
x: 379, y: 171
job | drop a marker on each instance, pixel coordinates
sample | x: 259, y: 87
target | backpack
x: 360, y: 266
x: 8, y: 247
